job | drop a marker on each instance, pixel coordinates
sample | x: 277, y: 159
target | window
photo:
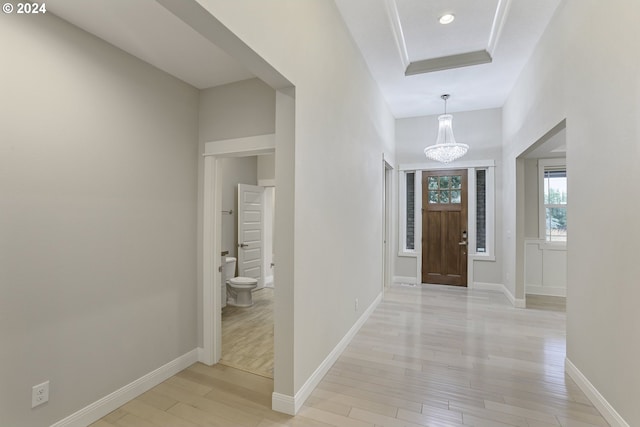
x: 410, y: 210
x: 446, y: 189
x: 481, y: 210
x: 553, y: 206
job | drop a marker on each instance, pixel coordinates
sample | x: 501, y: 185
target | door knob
x: 462, y: 243
x: 243, y: 245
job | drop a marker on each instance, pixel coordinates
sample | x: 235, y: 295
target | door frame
x: 470, y: 165
x: 212, y: 239
x: 464, y: 209
x: 387, y: 265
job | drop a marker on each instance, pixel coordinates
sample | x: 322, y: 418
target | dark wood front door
x: 444, y: 227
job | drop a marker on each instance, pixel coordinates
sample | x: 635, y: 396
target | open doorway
x: 542, y: 236
x: 247, y: 249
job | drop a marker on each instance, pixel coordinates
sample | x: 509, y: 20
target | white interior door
x: 250, y: 232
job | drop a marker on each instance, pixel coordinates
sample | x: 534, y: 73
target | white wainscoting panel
x: 545, y: 268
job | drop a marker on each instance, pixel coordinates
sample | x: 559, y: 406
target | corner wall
x: 342, y: 128
x: 98, y: 169
x: 583, y: 69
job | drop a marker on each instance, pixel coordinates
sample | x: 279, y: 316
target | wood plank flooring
x: 431, y: 356
x: 247, y: 335
x: 543, y: 302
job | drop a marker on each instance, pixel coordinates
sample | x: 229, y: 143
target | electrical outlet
x: 39, y: 394
x: 355, y: 305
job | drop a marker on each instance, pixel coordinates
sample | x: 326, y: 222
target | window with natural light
x: 446, y: 189
x: 481, y: 210
x: 554, y: 209
x: 410, y: 211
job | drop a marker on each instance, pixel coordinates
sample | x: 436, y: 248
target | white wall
x: 482, y: 131
x: 583, y: 70
x: 343, y: 125
x: 98, y: 172
x: 531, y: 200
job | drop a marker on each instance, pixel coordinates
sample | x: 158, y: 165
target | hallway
x: 428, y: 356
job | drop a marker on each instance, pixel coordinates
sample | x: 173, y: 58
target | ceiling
x: 147, y: 30
x: 392, y: 35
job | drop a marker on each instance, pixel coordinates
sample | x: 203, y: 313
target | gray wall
x: 98, y: 170
x: 234, y: 171
x: 235, y: 110
x: 586, y: 74
x: 267, y: 167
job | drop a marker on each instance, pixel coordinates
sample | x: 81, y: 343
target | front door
x: 444, y: 227
x: 250, y: 231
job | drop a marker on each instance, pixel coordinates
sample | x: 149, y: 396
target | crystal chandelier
x: 446, y: 149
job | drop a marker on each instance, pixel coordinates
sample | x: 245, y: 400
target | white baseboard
x: 499, y: 287
x: 201, y: 356
x: 291, y: 404
x: 283, y: 403
x: 405, y: 279
x: 601, y: 404
x: 550, y: 291
x: 113, y: 401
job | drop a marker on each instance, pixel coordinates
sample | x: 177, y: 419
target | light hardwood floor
x: 542, y: 302
x: 247, y: 335
x: 428, y: 356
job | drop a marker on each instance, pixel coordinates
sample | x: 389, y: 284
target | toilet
x: 238, y: 288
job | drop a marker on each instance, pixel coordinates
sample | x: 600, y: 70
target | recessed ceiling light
x: 447, y: 19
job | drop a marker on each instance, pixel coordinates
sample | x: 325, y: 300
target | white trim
x: 482, y: 257
x: 113, y: 401
x: 498, y: 24
x: 398, y: 34
x: 499, y: 287
x: 211, y: 241
x: 210, y: 353
x: 482, y: 286
x: 471, y: 167
x: 405, y: 279
x: 402, y: 212
x: 417, y: 226
x: 490, y: 212
x: 251, y: 145
x: 406, y: 253
x: 291, y: 405
x: 283, y: 403
x: 552, y: 291
x: 453, y: 165
x: 602, y: 405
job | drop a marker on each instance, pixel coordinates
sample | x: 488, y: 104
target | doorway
x: 444, y: 227
x: 247, y: 331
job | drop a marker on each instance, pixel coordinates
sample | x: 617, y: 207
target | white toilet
x: 238, y: 288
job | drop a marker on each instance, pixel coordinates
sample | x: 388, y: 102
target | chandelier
x: 446, y: 149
